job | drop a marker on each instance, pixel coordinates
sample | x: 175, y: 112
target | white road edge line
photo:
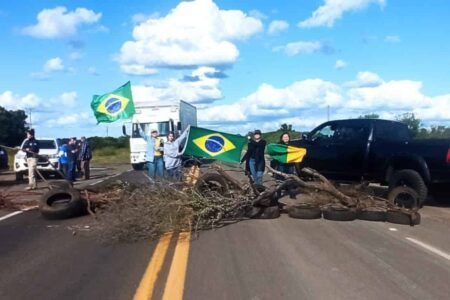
x: 11, y: 215
x: 94, y: 183
x: 430, y: 248
x: 393, y: 229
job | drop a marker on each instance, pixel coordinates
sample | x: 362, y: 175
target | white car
x: 48, y: 148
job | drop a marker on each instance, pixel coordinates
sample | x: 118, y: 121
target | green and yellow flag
x: 114, y: 106
x: 215, y: 145
x: 286, y: 154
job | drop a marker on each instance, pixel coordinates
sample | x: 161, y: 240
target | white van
x: 48, y: 148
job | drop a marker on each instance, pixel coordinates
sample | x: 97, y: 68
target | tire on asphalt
x: 338, y: 213
x: 412, y: 179
x: 271, y: 212
x: 307, y: 212
x: 61, y: 184
x: 62, y: 203
x: 372, y: 214
x: 399, y: 217
x: 254, y: 212
x: 404, y: 196
x: 211, y: 182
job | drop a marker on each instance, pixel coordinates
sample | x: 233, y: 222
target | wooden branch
x: 235, y: 183
x: 89, y: 205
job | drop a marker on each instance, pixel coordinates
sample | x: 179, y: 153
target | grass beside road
x: 111, y: 155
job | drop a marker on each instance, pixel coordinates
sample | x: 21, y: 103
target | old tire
x: 137, y: 167
x: 399, y: 217
x: 412, y: 179
x: 271, y: 212
x: 211, y: 182
x: 307, y: 212
x: 60, y: 184
x: 372, y: 214
x: 62, y: 204
x: 337, y: 213
x: 404, y: 196
x: 254, y: 212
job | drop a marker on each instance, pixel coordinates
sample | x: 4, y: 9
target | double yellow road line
x: 177, y: 274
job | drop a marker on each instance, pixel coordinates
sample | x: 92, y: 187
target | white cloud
x: 302, y: 47
x: 333, y: 10
x: 68, y: 99
x: 257, y: 14
x: 304, y: 103
x: 138, y: 70
x: 53, y: 65
x: 194, y: 33
x: 393, y: 39
x: 200, y: 87
x: 93, y: 71
x: 139, y: 18
x: 75, y: 55
x: 68, y: 120
x: 58, y: 22
x: 277, y: 26
x: 10, y: 101
x: 340, y: 64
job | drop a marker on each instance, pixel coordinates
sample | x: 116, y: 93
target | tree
x: 12, y: 126
x: 411, y: 121
x: 369, y: 116
x: 286, y: 127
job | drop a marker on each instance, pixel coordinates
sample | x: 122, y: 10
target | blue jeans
x: 175, y: 174
x: 72, y: 168
x: 156, y: 168
x: 65, y: 170
x: 257, y: 175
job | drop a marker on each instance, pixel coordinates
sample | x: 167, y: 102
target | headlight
x: 54, y: 156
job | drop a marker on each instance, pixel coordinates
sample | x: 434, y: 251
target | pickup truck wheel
x: 137, y: 167
x: 399, y: 217
x: 307, y: 212
x: 338, y: 213
x: 412, y: 179
x: 372, y: 214
x: 404, y: 196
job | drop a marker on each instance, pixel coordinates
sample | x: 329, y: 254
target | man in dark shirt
x: 85, y: 157
x: 72, y: 155
x: 31, y: 148
x: 255, y: 157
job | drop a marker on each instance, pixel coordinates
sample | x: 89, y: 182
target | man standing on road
x: 73, y: 157
x: 255, y: 157
x: 85, y: 157
x: 31, y: 148
x: 154, y: 157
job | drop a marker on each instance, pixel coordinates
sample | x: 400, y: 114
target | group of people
x: 254, y: 159
x: 164, y: 158
x: 73, y: 157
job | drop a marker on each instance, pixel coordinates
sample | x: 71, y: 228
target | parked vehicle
x: 377, y: 151
x: 3, y: 159
x: 49, y: 152
x: 164, y: 117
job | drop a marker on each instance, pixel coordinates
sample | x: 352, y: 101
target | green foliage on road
x: 12, y: 127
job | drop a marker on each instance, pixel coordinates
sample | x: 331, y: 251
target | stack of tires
x: 62, y: 201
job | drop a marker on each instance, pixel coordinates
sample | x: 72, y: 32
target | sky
x: 245, y: 64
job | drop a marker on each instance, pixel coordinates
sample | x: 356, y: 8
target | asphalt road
x: 256, y: 259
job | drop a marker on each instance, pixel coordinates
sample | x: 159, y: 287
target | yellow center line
x: 177, y: 274
x: 145, y: 289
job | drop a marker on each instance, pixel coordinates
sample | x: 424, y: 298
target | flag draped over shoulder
x: 215, y: 145
x: 286, y: 154
x: 114, y: 106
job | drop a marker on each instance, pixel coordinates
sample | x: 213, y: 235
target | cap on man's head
x: 257, y: 131
x: 30, y: 131
x: 154, y: 131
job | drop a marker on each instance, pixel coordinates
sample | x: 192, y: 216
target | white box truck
x: 163, y: 116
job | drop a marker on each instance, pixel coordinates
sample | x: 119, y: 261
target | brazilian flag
x: 215, y: 145
x: 286, y: 154
x: 114, y: 106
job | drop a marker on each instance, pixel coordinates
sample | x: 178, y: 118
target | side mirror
x: 305, y: 137
x: 124, y: 131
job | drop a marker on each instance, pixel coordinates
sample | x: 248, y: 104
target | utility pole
x: 328, y: 113
x: 31, y: 123
x: 106, y: 130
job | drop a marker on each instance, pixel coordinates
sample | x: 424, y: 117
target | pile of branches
x: 126, y: 212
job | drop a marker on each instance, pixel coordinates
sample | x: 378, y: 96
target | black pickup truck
x: 377, y: 151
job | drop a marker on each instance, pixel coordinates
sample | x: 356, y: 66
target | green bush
x: 97, y: 142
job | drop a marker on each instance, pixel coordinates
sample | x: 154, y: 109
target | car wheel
x: 403, y: 196
x: 412, y: 179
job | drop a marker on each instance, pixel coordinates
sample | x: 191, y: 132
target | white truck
x: 162, y: 116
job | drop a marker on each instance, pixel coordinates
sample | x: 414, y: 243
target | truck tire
x: 19, y: 176
x: 404, y: 196
x: 137, y: 167
x: 338, y: 213
x: 62, y: 203
x: 399, y: 217
x: 373, y: 214
x: 271, y: 212
x: 412, y: 179
x: 211, y: 182
x: 306, y: 212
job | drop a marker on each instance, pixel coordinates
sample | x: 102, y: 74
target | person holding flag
x: 255, y: 157
x: 154, y: 157
x: 288, y: 167
x: 172, y: 155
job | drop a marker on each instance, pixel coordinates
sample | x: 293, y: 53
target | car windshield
x: 162, y: 127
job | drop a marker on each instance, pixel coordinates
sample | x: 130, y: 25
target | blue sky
x: 245, y: 65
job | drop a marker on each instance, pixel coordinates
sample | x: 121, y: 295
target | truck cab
x: 162, y: 116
